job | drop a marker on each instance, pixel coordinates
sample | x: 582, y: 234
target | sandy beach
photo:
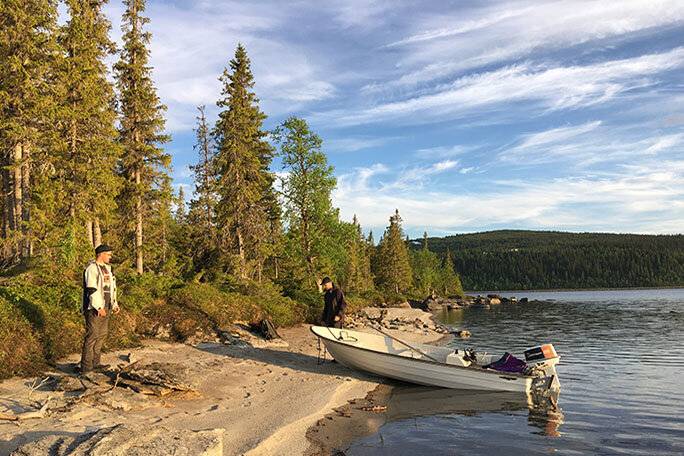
x: 263, y: 399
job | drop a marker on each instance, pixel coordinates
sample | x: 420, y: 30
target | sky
x: 466, y: 116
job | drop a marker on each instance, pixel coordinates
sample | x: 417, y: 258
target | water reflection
x: 410, y: 402
x: 622, y: 354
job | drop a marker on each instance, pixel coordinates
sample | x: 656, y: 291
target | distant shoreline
x: 553, y: 290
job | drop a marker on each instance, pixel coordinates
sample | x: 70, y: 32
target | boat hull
x: 416, y: 370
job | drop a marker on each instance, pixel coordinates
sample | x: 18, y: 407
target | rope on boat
x: 404, y: 343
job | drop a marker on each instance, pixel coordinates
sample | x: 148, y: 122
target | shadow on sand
x: 286, y: 359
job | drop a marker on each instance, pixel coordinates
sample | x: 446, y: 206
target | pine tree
x: 144, y: 164
x: 27, y: 53
x: 393, y: 269
x: 242, y: 158
x: 306, y: 189
x: 86, y: 155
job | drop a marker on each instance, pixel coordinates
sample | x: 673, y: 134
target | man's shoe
x: 83, y: 374
x: 101, y: 366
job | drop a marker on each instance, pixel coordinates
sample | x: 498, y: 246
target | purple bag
x: 508, y: 363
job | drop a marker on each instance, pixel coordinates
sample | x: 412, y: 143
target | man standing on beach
x: 335, y: 304
x: 97, y: 303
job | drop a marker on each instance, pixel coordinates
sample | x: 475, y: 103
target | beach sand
x: 266, y: 400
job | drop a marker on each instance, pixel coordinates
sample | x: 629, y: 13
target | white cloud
x: 353, y: 144
x: 446, y: 43
x: 442, y: 151
x: 588, y: 144
x: 555, y: 135
x: 645, y: 200
x: 545, y: 89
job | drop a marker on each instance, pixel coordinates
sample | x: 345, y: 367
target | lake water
x: 621, y: 373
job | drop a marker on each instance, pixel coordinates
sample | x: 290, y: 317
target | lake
x: 621, y: 373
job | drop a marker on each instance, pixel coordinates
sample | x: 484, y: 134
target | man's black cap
x: 326, y: 280
x: 102, y: 248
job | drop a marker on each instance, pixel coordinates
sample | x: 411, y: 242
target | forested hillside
x: 523, y: 260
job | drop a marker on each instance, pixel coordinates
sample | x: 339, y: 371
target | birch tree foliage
x: 306, y: 186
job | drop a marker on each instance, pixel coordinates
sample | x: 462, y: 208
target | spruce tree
x: 201, y: 227
x: 242, y: 159
x: 27, y: 55
x: 203, y: 205
x: 393, y: 269
x: 86, y: 155
x: 426, y: 268
x: 306, y: 189
x: 449, y: 280
x: 144, y: 163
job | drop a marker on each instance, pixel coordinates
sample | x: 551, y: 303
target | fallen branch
x: 26, y: 415
x: 35, y: 385
x: 121, y: 371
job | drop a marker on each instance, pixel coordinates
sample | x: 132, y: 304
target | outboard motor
x: 543, y: 359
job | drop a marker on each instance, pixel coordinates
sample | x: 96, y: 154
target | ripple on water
x: 622, y: 354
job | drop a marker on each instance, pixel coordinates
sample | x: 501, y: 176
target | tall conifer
x: 203, y: 205
x: 144, y: 164
x: 450, y: 280
x: 201, y: 227
x: 393, y: 269
x: 85, y: 157
x: 242, y: 159
x: 27, y: 53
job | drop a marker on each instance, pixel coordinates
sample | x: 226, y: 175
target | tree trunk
x: 164, y: 243
x: 26, y: 204
x: 89, y: 233
x: 138, y: 226
x: 97, y: 232
x: 18, y: 193
x: 241, y: 253
x: 6, y: 200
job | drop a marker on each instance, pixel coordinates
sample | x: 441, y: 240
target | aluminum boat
x: 387, y: 356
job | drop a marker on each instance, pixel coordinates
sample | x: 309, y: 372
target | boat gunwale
x: 477, y: 368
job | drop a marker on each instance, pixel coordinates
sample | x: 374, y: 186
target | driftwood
x: 42, y: 408
x: 154, y: 381
x: 26, y: 415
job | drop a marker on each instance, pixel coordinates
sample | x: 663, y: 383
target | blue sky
x: 466, y: 116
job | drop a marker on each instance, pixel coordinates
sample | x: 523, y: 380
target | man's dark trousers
x: 96, y: 331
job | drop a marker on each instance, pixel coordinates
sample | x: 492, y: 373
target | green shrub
x: 21, y: 352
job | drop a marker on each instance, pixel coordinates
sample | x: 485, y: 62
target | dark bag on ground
x: 267, y: 329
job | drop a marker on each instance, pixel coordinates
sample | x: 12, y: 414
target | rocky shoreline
x: 230, y: 393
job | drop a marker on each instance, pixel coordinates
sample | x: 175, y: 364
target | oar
x: 404, y: 343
